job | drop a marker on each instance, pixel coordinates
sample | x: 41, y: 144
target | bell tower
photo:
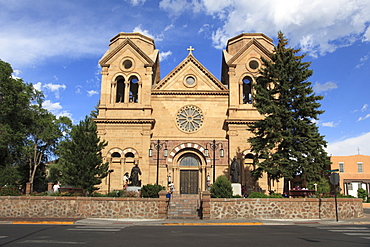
x: 241, y: 63
x: 130, y: 68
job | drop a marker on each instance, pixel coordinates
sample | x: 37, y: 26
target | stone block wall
x: 284, y: 208
x: 82, y: 207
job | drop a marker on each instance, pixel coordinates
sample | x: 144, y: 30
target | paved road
x: 174, y: 236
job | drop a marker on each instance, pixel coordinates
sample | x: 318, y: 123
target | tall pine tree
x: 80, y: 157
x: 287, y: 141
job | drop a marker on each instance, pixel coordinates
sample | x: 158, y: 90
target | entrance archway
x: 189, y: 170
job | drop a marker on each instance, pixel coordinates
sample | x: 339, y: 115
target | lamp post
x: 158, y: 146
x: 109, y: 172
x: 214, y: 146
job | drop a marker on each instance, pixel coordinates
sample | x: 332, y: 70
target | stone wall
x: 156, y: 208
x: 82, y: 207
x: 284, y: 208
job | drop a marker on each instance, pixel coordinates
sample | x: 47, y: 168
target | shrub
x: 222, y: 188
x: 151, y: 191
x: 276, y: 195
x: 361, y: 193
x: 254, y: 194
x: 9, y: 191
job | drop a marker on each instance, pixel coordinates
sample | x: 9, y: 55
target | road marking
x: 356, y: 234
x: 342, y: 228
x: 214, y: 224
x: 95, y: 229
x: 3, y: 236
x: 349, y: 230
x: 49, y: 242
x: 44, y: 222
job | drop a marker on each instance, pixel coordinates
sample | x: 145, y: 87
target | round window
x: 253, y: 64
x: 190, y: 80
x: 127, y: 64
x: 189, y: 118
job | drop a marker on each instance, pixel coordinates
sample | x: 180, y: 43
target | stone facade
x: 187, y: 113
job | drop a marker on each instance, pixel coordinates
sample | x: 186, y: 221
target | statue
x: 135, y: 172
x: 234, y: 171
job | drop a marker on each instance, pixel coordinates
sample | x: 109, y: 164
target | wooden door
x: 189, y: 181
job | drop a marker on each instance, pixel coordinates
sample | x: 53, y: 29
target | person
x: 172, y: 188
x: 234, y: 171
x: 135, y: 172
x: 125, y: 180
x: 56, y: 187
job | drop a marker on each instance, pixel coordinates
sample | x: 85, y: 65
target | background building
x: 185, y: 128
x: 354, y: 172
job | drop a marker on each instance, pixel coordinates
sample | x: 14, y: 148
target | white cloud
x: 318, y: 88
x: 56, y: 109
x: 329, y: 124
x: 364, y: 107
x: 37, y: 86
x: 164, y: 55
x: 16, y: 73
x: 350, y: 146
x: 138, y: 29
x: 78, y: 89
x: 137, y: 2
x: 363, y: 118
x: 362, y: 61
x: 55, y: 88
x: 317, y: 26
x: 50, y: 106
x: 169, y: 27
x: 92, y: 92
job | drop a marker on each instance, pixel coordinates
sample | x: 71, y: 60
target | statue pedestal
x: 133, y: 188
x: 237, y: 189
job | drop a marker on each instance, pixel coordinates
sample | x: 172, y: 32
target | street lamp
x: 109, y: 172
x: 214, y: 146
x: 158, y: 146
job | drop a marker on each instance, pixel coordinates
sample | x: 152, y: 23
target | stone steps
x: 183, y: 207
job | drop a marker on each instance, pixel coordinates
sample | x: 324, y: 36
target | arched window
x: 249, y: 156
x: 189, y: 160
x: 247, y: 90
x: 134, y: 89
x: 116, y: 155
x: 129, y: 155
x: 120, y: 94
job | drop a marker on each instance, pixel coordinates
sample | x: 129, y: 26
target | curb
x: 43, y: 222
x: 214, y: 224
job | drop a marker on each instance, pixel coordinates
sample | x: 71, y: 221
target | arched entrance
x: 189, y: 173
x: 189, y: 169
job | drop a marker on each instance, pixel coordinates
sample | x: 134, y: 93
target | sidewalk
x: 167, y: 222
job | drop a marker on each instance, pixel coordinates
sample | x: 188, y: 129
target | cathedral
x: 187, y: 128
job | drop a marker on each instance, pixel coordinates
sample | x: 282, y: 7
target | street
x: 124, y: 235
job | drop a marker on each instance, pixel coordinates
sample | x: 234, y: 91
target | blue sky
x: 56, y: 45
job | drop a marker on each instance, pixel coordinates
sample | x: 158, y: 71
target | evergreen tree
x: 80, y: 157
x: 287, y: 141
x: 222, y: 188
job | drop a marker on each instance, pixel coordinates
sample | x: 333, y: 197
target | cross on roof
x: 190, y: 49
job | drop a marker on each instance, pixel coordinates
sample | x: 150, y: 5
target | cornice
x: 253, y: 41
x: 125, y: 121
x: 104, y: 61
x: 179, y: 92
